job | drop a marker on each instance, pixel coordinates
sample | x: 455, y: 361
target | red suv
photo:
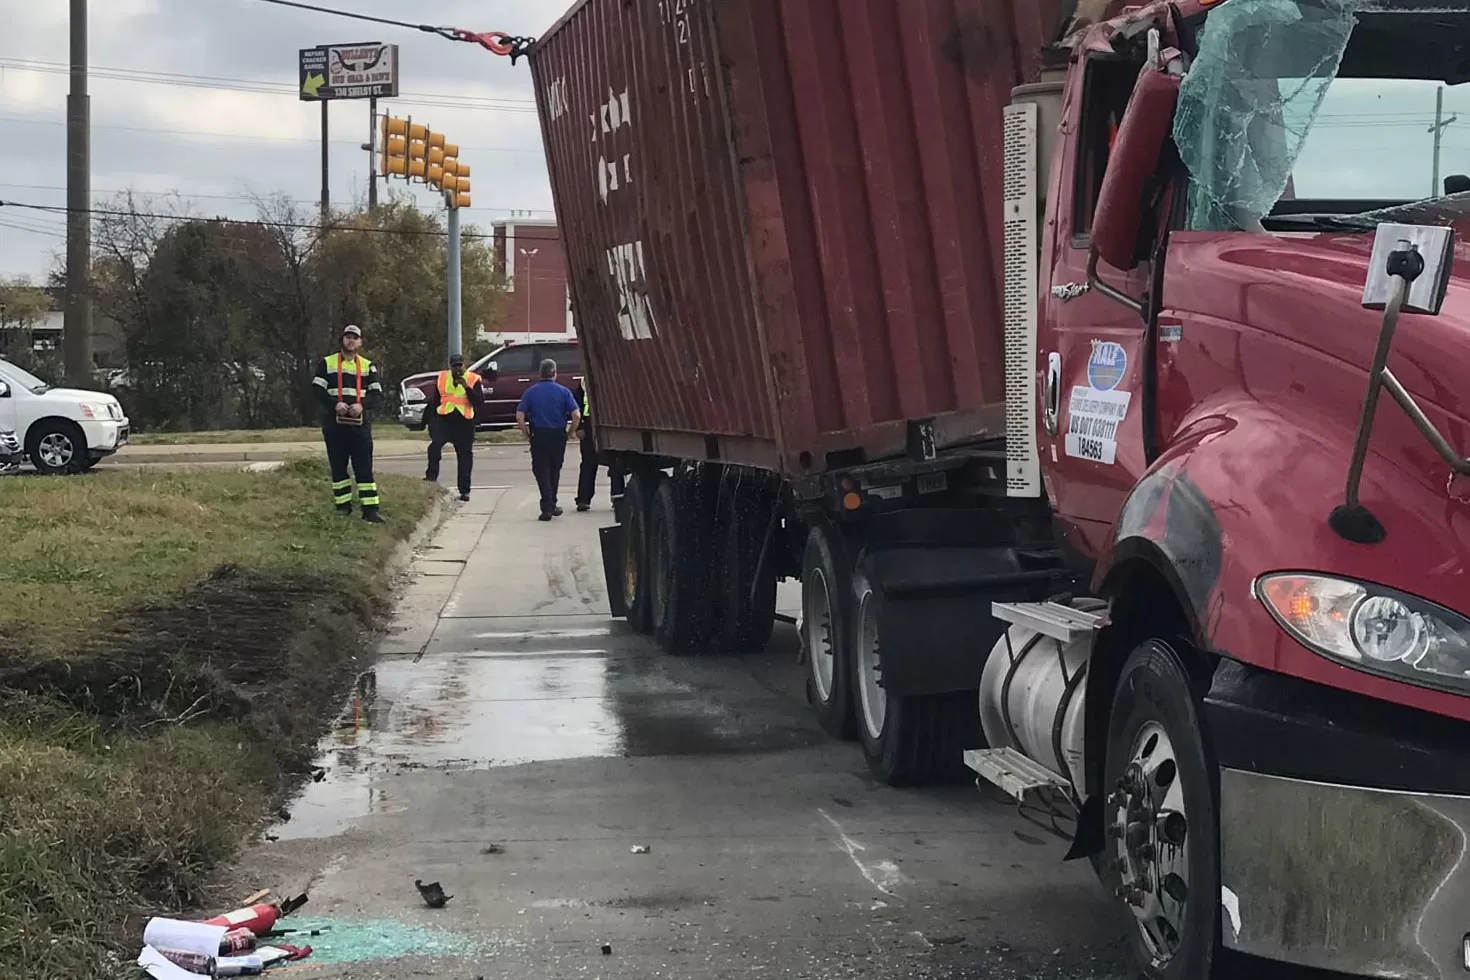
x: 505, y: 375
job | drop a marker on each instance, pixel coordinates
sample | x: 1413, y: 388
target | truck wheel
x: 681, y: 569
x: 637, y: 582
x: 1161, y: 818
x: 747, y: 614
x: 826, y: 588
x: 56, y: 448
x: 908, y: 741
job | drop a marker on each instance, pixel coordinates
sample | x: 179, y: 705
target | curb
x: 229, y: 456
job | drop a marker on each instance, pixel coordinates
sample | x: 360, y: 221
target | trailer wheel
x: 826, y: 590
x: 637, y: 578
x: 1161, y: 816
x: 747, y: 606
x: 908, y: 741
x: 681, y: 568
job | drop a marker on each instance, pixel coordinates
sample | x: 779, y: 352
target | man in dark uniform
x: 453, y: 404
x: 347, y: 387
x: 547, y: 414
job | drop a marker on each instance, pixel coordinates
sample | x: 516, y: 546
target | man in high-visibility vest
x: 347, y: 387
x: 587, y: 477
x: 453, y: 404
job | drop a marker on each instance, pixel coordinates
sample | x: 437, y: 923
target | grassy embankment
x: 166, y: 642
x: 382, y: 432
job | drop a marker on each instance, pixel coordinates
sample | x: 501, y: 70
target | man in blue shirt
x: 546, y: 416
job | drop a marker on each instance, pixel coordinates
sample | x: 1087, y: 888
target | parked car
x: 10, y: 451
x: 507, y: 373
x: 61, y: 430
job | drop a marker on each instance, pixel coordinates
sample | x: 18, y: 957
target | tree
x: 23, y: 305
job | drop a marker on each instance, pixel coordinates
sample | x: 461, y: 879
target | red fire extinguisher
x: 259, y: 919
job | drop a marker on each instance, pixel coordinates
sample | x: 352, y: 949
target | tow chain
x: 498, y: 42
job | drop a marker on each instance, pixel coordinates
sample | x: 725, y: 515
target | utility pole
x: 77, y: 324
x: 1440, y: 125
x: 326, y: 165
x: 456, y: 331
x: 372, y: 148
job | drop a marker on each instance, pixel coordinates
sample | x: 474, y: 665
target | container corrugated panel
x: 783, y: 217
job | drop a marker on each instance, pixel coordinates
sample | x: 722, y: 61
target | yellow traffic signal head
x: 393, y: 126
x: 395, y: 156
x: 462, y: 185
x: 436, y: 176
x: 449, y: 181
x: 451, y: 165
x: 418, y: 132
x: 436, y: 156
x: 436, y: 139
x: 464, y: 170
x: 451, y: 149
x: 462, y: 200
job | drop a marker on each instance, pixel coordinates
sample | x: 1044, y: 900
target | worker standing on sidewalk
x: 347, y: 387
x: 547, y: 416
x: 453, y: 404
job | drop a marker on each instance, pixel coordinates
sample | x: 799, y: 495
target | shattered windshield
x: 1297, y: 108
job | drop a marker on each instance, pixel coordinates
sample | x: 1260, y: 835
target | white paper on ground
x: 160, y: 967
x: 186, y: 937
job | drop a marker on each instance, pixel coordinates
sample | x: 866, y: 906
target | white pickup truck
x: 62, y: 430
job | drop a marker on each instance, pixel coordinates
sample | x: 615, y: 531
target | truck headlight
x: 1373, y: 628
x: 414, y: 395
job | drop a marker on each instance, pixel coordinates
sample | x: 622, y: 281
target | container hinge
x: 1013, y: 772
x: 1048, y: 618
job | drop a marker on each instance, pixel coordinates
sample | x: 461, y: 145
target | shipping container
x: 782, y: 218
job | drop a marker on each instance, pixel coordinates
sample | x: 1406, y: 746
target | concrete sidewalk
x: 254, y: 452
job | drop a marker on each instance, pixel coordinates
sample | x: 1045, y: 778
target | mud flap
x: 612, y: 569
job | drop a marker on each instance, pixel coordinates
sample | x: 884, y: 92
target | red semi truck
x: 1048, y: 351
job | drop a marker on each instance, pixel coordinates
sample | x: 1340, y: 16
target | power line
x: 444, y: 100
x: 445, y: 32
x: 22, y: 120
x: 232, y: 197
x: 300, y: 226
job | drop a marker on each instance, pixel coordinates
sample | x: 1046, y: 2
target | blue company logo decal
x: 1107, y: 365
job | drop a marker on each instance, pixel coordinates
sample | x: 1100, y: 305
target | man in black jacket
x: 346, y: 385
x: 453, y: 404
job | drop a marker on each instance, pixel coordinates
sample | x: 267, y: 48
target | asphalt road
x: 600, y: 810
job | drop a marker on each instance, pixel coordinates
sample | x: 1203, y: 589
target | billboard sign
x: 349, y: 71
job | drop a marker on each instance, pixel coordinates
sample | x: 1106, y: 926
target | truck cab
x: 1244, y: 237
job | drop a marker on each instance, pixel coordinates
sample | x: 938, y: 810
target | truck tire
x: 56, y: 447
x: 677, y: 550
x: 747, y: 607
x: 1157, y: 762
x: 908, y: 741
x: 637, y: 578
x: 826, y: 625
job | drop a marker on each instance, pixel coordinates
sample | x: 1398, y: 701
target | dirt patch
x: 267, y: 651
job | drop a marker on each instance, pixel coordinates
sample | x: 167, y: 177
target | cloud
x: 220, y: 146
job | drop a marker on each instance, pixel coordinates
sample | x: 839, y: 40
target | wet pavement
x: 599, y: 809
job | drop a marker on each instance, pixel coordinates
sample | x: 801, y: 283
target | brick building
x: 539, y: 305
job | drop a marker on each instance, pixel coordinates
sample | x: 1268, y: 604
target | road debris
x: 433, y: 894
x: 607, y: 949
x: 492, y: 849
x: 259, y: 896
x: 641, y: 848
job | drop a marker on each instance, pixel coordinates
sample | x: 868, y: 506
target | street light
x: 529, y: 286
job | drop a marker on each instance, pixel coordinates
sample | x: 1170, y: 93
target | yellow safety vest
x: 455, y: 397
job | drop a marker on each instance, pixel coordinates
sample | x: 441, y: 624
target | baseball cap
x: 456, y: 359
x: 352, y: 330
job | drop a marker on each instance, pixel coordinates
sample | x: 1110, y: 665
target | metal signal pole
x: 77, y: 325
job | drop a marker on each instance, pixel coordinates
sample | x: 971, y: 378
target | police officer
x: 453, y: 404
x: 547, y: 414
x: 347, y: 387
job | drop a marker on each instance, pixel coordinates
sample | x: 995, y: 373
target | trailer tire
x: 747, y: 606
x: 1157, y: 759
x: 826, y: 626
x: 678, y: 556
x: 908, y: 741
x: 637, y: 577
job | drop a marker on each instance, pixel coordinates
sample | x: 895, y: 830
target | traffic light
x: 418, y: 163
x: 395, y: 146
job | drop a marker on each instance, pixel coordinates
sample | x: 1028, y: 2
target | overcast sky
x: 250, y: 142
x: 195, y: 131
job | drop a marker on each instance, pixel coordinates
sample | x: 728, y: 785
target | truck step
x: 1048, y: 618
x: 1013, y: 772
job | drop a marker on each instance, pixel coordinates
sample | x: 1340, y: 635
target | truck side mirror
x: 4, y: 389
x: 1142, y: 136
x: 492, y: 371
x: 1408, y: 273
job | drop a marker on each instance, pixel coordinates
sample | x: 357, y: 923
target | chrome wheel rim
x: 55, y: 450
x: 1149, y: 824
x: 820, y: 637
x: 870, y: 666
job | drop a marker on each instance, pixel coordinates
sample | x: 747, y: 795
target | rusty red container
x: 782, y: 218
